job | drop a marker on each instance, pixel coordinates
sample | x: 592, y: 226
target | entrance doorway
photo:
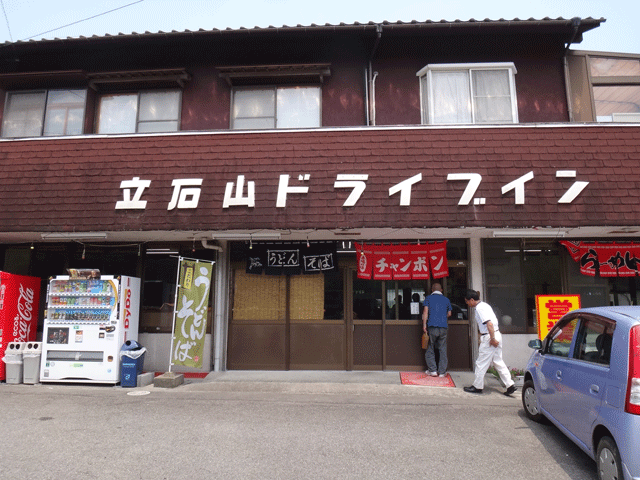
x: 384, y: 322
x: 336, y: 321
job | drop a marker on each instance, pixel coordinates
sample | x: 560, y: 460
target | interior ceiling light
x: 73, y: 235
x: 529, y: 233
x: 246, y: 236
x: 161, y: 251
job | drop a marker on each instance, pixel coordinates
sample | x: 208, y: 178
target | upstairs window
x: 482, y: 93
x: 604, y: 88
x: 139, y: 112
x: 44, y: 113
x: 275, y: 107
x: 616, y: 88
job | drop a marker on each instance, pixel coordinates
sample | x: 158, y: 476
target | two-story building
x: 476, y: 145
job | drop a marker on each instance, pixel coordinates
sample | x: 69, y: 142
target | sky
x: 37, y: 19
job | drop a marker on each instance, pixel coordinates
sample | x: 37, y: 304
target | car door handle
x: 594, y: 389
x: 559, y: 375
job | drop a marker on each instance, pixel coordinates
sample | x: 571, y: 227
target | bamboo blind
x: 307, y: 297
x: 259, y: 297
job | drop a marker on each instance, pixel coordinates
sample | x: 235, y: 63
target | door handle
x: 559, y: 375
x: 594, y: 389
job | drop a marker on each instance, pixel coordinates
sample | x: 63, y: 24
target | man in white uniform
x: 490, y: 350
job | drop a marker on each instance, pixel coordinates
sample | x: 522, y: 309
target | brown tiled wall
x: 67, y: 184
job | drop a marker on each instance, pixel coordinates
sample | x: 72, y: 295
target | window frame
x: 44, y: 112
x: 138, y: 94
x: 425, y: 75
x: 555, y: 333
x: 593, y: 325
x: 583, y: 82
x: 274, y: 88
x: 610, y: 82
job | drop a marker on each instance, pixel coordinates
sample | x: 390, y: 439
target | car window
x: 594, y: 341
x: 559, y: 340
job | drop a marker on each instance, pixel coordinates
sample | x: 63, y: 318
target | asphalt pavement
x: 279, y: 425
x: 336, y: 382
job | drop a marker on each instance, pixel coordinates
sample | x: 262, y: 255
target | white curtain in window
x: 65, y: 112
x: 254, y: 109
x: 24, y: 114
x: 450, y: 97
x: 159, y: 111
x: 298, y: 107
x: 118, y: 113
x: 492, y: 96
x: 159, y: 106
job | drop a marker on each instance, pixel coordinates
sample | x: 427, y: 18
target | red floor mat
x: 422, y: 379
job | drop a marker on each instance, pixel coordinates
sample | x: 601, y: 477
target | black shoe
x: 472, y: 389
x: 510, y: 390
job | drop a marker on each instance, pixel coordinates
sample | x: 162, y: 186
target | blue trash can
x: 131, y: 363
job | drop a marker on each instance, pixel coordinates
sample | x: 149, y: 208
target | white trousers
x: 488, y: 355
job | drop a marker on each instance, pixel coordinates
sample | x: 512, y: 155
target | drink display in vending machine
x: 19, y: 303
x: 86, y: 323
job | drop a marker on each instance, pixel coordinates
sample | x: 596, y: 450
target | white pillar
x: 221, y: 309
x: 475, y: 283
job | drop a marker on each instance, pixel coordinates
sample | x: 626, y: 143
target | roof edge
x: 585, y: 24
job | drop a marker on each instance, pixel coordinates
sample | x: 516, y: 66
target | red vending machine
x: 19, y: 304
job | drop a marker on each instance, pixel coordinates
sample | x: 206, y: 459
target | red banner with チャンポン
x: 364, y: 257
x: 420, y: 267
x: 382, y: 263
x: 402, y: 262
x: 438, y: 260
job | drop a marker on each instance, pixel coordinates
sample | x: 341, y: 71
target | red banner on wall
x: 382, y: 263
x: 364, y: 255
x: 420, y: 269
x: 402, y: 262
x: 438, y: 260
x: 605, y: 259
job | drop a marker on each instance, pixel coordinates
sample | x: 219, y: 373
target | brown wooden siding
x: 67, y: 184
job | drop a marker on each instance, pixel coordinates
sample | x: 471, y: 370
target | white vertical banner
x: 190, y: 312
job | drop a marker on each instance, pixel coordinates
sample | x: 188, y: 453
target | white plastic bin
x: 13, y: 359
x: 31, y: 356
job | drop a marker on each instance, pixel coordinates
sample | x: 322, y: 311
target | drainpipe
x: 373, y: 98
x: 575, y: 22
x: 366, y: 95
x: 209, y: 246
x: 221, y: 305
x: 371, y: 108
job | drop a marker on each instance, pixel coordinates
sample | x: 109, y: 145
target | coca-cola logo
x: 127, y: 309
x: 22, y: 322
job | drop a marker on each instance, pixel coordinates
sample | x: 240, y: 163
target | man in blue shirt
x: 437, y: 309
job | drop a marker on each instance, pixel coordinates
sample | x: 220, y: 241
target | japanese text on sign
x: 186, y: 191
x: 550, y: 308
x: 190, y: 318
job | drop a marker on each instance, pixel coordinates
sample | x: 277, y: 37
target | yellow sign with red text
x: 551, y: 308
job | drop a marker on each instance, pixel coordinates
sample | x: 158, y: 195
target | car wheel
x: 608, y: 460
x: 530, y: 402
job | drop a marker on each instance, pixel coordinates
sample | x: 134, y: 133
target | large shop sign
x: 402, y: 262
x: 605, y: 259
x: 186, y: 191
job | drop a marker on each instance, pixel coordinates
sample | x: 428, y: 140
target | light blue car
x: 585, y: 378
